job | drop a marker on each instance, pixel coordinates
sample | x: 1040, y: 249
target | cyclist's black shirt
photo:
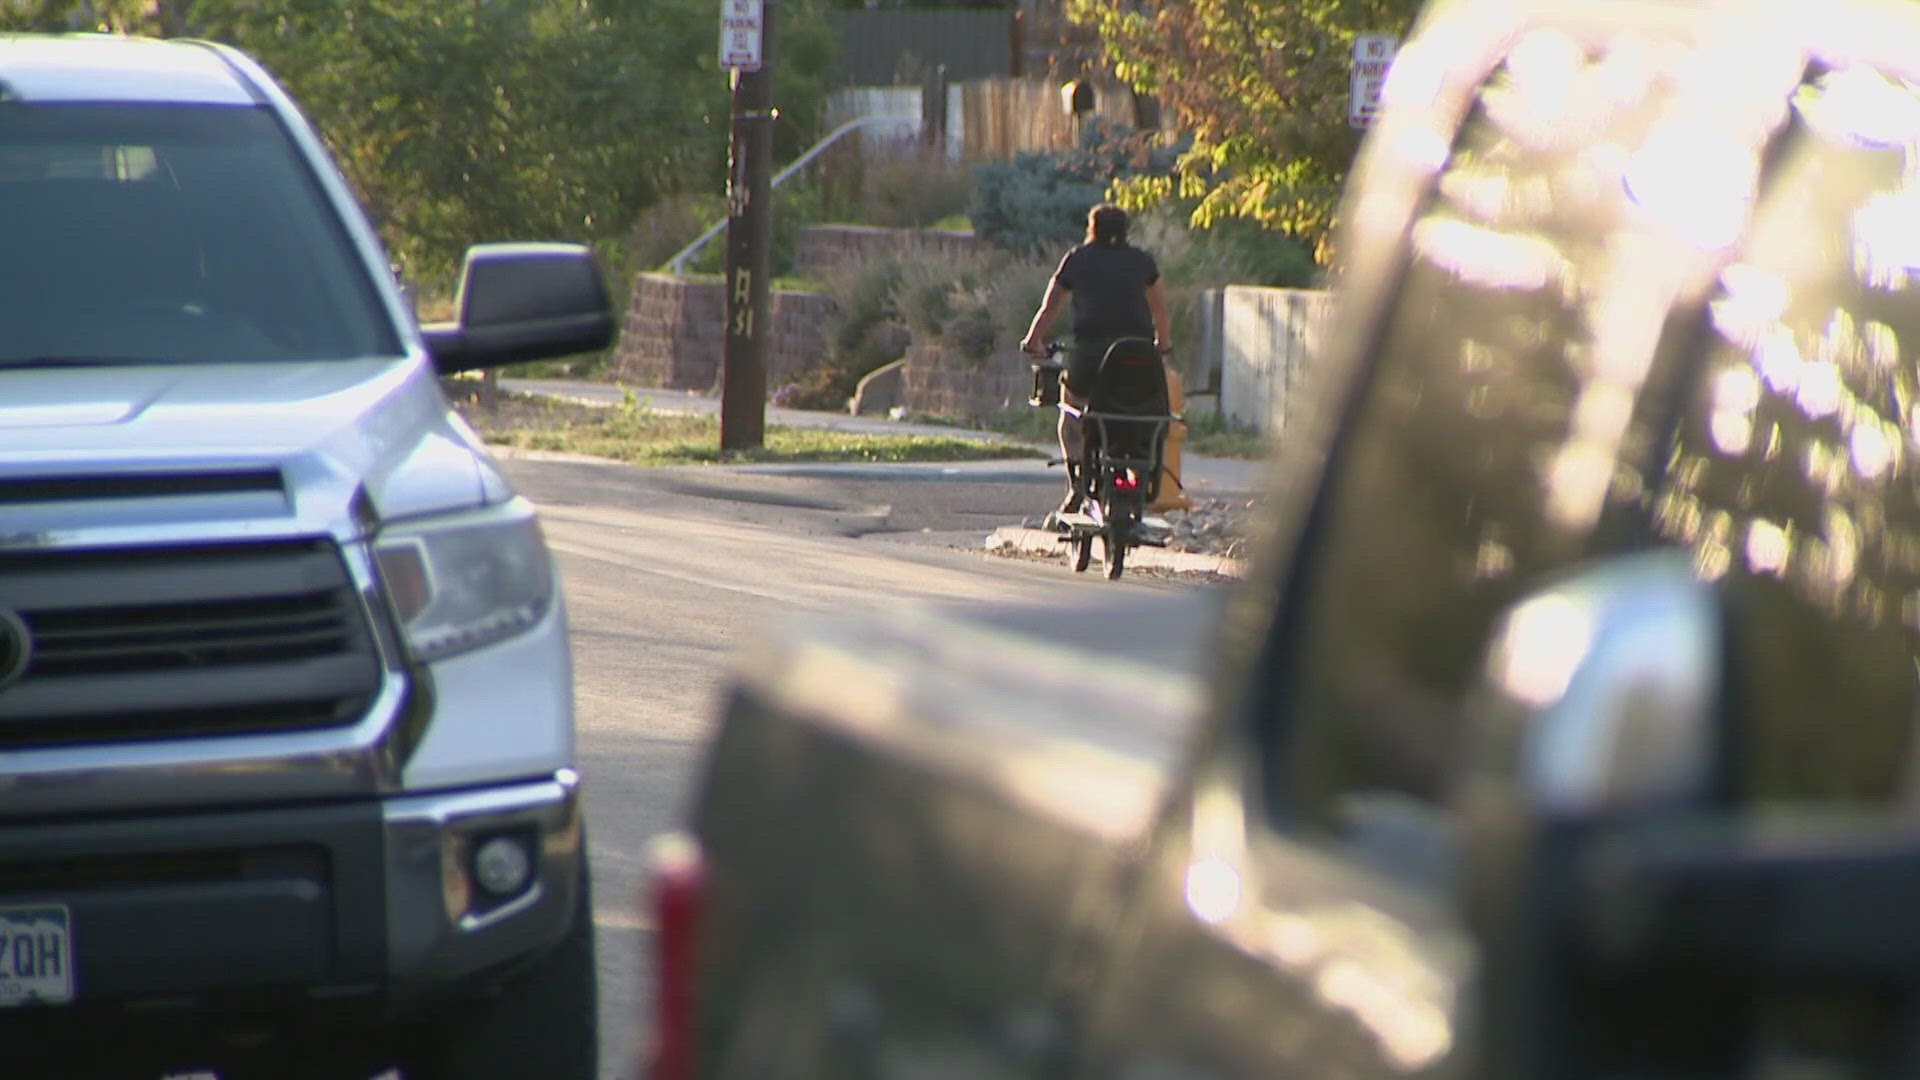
x: 1108, y: 283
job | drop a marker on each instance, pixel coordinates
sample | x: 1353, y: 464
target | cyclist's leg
x: 1076, y: 384
x: 1072, y: 434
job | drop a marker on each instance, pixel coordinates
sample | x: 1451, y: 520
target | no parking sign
x: 1372, y: 55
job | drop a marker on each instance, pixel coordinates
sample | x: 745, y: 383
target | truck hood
x: 353, y: 442
x: 1081, y: 727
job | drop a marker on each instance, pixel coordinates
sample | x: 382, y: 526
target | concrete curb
x: 1016, y: 538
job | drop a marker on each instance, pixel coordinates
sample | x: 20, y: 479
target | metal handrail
x: 678, y: 263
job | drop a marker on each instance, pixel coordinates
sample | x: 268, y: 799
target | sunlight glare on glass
x: 1886, y: 239
x: 1736, y: 390
x: 1881, y: 342
x: 1625, y: 74
x: 1696, y: 180
x: 1577, y: 483
x: 1842, y: 549
x: 1413, y: 1033
x: 1482, y: 194
x: 1736, y: 393
x: 1751, y: 303
x: 1732, y: 432
x: 1542, y: 67
x: 1213, y: 889
x: 1861, y: 106
x: 1416, y: 77
x: 1545, y: 641
x: 1768, y: 547
x: 1780, y: 362
x: 1821, y: 390
x: 1604, y: 410
x: 1419, y: 147
x: 1870, y: 448
x: 1487, y: 257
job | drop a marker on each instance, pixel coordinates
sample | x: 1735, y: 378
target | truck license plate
x: 36, y: 955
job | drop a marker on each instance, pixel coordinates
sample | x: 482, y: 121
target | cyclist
x: 1116, y: 293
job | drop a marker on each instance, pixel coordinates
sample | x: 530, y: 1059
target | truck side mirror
x: 520, y: 302
x: 1598, y: 709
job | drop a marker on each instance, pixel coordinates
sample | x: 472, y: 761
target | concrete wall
x: 1266, y: 339
x: 674, y: 334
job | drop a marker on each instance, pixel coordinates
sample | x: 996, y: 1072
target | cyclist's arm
x: 1056, y: 298
x: 1157, y: 304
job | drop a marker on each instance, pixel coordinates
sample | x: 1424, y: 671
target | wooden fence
x: 998, y: 118
x: 986, y: 118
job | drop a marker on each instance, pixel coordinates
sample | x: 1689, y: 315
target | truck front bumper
x: 374, y: 905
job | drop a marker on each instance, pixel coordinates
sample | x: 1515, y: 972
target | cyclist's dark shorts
x: 1083, y: 362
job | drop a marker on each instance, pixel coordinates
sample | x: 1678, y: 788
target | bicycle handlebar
x: 1060, y: 348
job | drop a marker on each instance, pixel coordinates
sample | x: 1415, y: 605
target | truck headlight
x: 467, y: 580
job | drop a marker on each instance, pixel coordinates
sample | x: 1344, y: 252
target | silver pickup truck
x: 1568, y: 726
x: 286, y: 719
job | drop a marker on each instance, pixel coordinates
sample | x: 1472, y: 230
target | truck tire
x: 543, y: 1022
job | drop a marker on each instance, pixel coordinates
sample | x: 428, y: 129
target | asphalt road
x: 668, y: 571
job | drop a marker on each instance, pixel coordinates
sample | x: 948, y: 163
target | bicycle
x: 1124, y: 425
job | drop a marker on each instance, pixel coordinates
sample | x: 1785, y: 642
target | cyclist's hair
x: 1106, y: 224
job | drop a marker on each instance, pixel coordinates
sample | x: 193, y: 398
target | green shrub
x: 671, y: 224
x: 972, y: 329
x: 1266, y: 257
x: 795, y: 206
x: 901, y: 187
x: 1040, y: 201
x: 866, y: 331
x: 864, y: 334
x: 1017, y: 291
x: 924, y: 295
x: 1031, y: 203
x: 974, y: 304
x: 916, y: 190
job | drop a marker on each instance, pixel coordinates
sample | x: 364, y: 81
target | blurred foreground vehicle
x: 286, y: 727
x: 1569, y: 730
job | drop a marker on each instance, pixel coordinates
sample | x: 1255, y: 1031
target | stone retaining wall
x: 942, y: 385
x: 674, y: 334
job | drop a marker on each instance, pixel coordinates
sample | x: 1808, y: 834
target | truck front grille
x: 153, y: 644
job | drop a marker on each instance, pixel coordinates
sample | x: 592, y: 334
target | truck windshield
x: 172, y: 233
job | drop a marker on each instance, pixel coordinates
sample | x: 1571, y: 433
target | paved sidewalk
x: 1203, y: 477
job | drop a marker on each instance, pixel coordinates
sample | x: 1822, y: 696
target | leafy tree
x: 462, y: 121
x: 1262, y: 88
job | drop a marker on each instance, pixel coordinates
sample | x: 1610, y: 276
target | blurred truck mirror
x: 520, y: 302
x: 1598, y: 709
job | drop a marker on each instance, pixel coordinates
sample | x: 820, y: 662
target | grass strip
x: 634, y: 433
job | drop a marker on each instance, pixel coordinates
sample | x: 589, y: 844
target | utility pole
x: 746, y: 48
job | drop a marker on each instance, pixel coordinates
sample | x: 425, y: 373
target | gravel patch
x: 1210, y: 527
